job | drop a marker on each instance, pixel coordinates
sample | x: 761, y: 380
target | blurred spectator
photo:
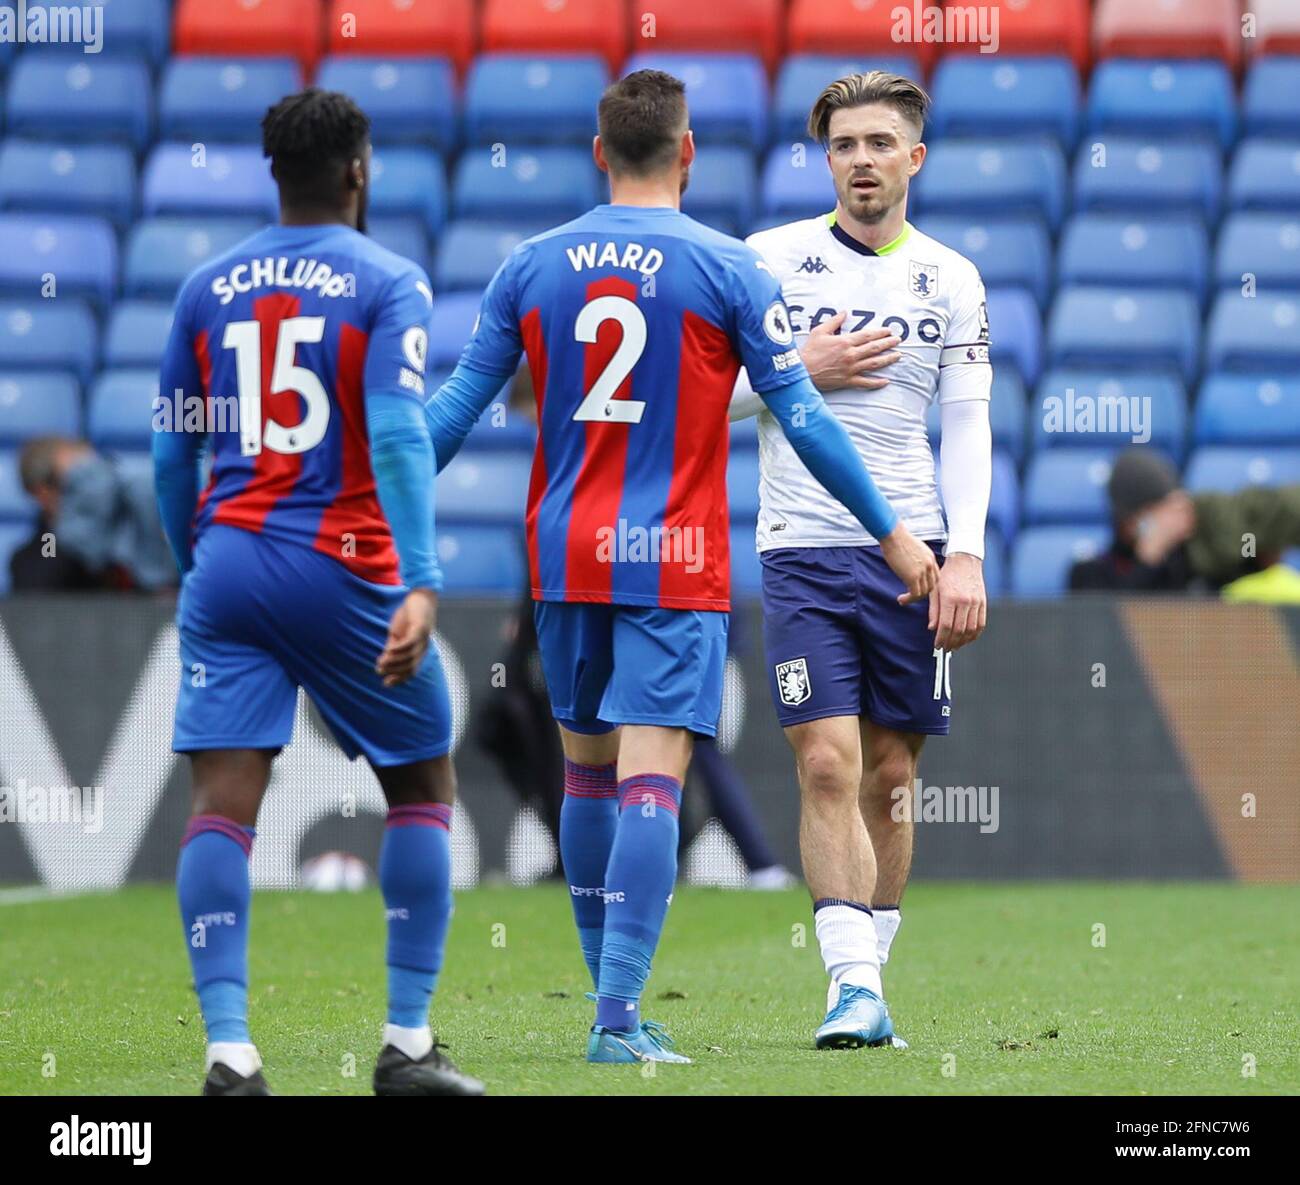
x: 1167, y: 540
x: 98, y: 525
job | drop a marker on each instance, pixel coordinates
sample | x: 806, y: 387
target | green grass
x: 999, y: 989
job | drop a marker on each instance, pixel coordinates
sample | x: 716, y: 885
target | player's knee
x: 890, y: 772
x: 828, y: 770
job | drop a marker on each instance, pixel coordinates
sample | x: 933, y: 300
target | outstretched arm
x: 456, y: 407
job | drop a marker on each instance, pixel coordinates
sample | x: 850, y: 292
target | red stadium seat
x: 250, y: 28
x: 422, y: 28
x: 1277, y: 26
x: 557, y: 26
x: 1036, y: 27
x: 1169, y: 29
x: 737, y: 26
x: 848, y: 28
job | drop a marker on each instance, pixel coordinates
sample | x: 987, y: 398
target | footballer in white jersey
x: 861, y: 673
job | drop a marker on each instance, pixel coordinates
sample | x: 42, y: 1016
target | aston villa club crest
x: 925, y: 279
x: 792, y: 681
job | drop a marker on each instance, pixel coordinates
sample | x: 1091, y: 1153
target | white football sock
x: 415, y: 1043
x: 847, y: 937
x: 887, y: 923
x: 240, y: 1056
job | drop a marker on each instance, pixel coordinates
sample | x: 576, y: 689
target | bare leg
x: 890, y: 761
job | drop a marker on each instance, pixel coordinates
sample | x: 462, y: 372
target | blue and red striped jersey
x: 273, y: 349
x: 635, y: 322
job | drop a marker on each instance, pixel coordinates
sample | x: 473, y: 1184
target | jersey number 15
x: 245, y: 338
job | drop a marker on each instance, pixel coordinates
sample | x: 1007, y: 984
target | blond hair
x: 857, y: 90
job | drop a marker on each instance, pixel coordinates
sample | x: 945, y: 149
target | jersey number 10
x: 245, y: 338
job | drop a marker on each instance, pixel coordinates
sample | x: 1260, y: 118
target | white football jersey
x: 924, y: 293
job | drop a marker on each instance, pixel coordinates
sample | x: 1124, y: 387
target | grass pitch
x: 999, y: 989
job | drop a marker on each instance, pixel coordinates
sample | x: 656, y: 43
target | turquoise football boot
x: 649, y: 1043
x: 859, y: 1018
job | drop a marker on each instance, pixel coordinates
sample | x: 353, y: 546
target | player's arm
x: 177, y: 454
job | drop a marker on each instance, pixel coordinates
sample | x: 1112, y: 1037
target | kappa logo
x: 812, y: 266
x: 925, y: 279
x: 792, y: 682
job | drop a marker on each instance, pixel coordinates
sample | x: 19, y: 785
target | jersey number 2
x: 600, y: 404
x: 245, y: 338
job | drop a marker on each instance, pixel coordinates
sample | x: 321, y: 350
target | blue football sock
x: 588, y: 820
x: 415, y: 878
x: 212, y: 888
x: 638, y: 885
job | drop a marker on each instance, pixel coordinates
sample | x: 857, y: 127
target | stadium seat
x: 1006, y: 416
x: 1171, y: 251
x: 1126, y: 175
x: 1228, y: 469
x: 1154, y: 329
x: 12, y: 537
x: 73, y: 179
x: 1277, y: 26
x: 481, y: 561
x: 253, y: 28
x: 995, y: 564
x: 484, y: 487
x: 231, y: 179
x: 741, y: 26
x: 409, y: 100
x: 138, y: 27
x: 57, y: 256
x: 517, y: 99
x: 746, y: 567
x: 34, y: 405
x: 984, y: 178
x: 1163, y: 99
x: 1016, y: 331
x: 723, y: 189
x: 453, y: 319
x: 403, y: 234
x: 851, y: 28
x: 1248, y: 410
x: 56, y: 96
x: 1263, y: 245
x: 161, y: 252
x: 533, y: 184
x: 1098, y: 408
x: 545, y: 27
x: 1027, y: 28
x: 1067, y: 485
x: 1265, y: 175
x: 1042, y: 557
x: 136, y: 333
x: 409, y: 182
x: 120, y: 409
x: 802, y: 77
x: 1260, y: 333
x: 742, y: 486
x: 975, y: 96
x: 1009, y: 252
x: 469, y: 253
x: 726, y: 93
x: 1169, y: 29
x: 1268, y: 106
x: 202, y: 99
x: 795, y: 183
x: 16, y: 505
x: 47, y: 335
x: 405, y: 28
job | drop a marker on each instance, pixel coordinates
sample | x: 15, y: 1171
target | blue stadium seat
x: 1248, y: 410
x: 1227, y: 469
x: 1268, y: 106
x: 34, y: 405
x: 1265, y: 175
x: 746, y: 567
x: 1261, y: 333
x: 1259, y: 244
x: 519, y: 99
x: 120, y: 409
x: 409, y: 100
x: 742, y: 486
x: 723, y: 189
x: 1006, y: 415
x: 46, y: 335
x: 1067, y: 485
x: 136, y: 333
x: 77, y: 253
x: 12, y: 537
x: 1170, y: 251
x: 995, y: 564
x: 1155, y: 329
x: 1086, y: 407
x: 453, y: 322
x: 161, y: 252
x: 986, y: 178
x: 469, y: 253
x: 802, y: 77
x: 482, y: 561
x: 16, y: 505
x: 1136, y: 176
x: 795, y: 183
x: 532, y: 184
x: 1166, y: 99
x: 74, y: 179
x: 232, y: 179
x: 222, y: 99
x: 484, y: 487
x: 403, y: 234
x: 1043, y: 556
x: 1009, y: 252
x: 1006, y: 96
x: 1016, y: 331
x: 726, y: 92
x: 141, y: 27
x: 80, y: 97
